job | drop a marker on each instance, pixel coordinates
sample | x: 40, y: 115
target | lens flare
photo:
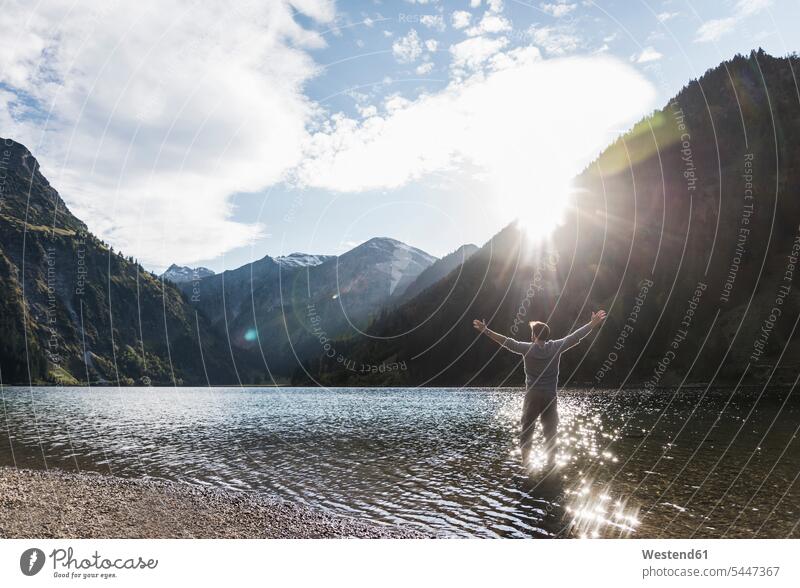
x: 540, y: 212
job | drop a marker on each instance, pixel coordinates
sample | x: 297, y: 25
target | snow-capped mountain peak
x: 399, y: 262
x: 178, y: 274
x: 301, y: 260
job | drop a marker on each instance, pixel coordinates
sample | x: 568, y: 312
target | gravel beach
x: 55, y: 504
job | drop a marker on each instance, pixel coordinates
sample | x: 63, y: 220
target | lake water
x: 668, y: 464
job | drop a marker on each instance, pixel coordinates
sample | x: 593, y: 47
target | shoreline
x: 55, y: 504
x: 576, y: 386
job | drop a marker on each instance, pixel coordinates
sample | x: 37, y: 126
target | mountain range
x: 684, y: 229
x: 286, y: 313
x: 77, y: 312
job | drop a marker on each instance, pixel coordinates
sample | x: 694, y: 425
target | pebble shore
x: 56, y: 504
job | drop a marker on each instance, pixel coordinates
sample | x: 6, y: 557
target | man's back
x: 541, y: 378
x: 542, y: 359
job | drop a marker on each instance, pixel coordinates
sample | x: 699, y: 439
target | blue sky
x: 213, y: 136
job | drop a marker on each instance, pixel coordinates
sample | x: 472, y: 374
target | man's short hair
x: 540, y: 330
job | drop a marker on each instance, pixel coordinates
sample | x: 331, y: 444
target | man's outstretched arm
x: 507, y: 342
x: 575, y: 337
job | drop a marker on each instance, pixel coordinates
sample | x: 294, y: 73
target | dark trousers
x: 542, y: 404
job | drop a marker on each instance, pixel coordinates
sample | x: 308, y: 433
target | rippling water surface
x: 668, y: 464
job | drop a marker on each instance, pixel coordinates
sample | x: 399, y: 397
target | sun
x: 541, y: 210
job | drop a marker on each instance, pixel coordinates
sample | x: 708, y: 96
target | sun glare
x: 540, y: 212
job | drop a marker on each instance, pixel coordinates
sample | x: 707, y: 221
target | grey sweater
x: 541, y: 361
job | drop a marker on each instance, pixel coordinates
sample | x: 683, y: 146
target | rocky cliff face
x: 75, y: 311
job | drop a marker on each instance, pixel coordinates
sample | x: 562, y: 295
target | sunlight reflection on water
x: 443, y: 459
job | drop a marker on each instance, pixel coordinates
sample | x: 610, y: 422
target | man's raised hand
x: 480, y: 325
x: 598, y: 318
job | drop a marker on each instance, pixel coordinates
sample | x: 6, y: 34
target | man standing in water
x: 541, y: 358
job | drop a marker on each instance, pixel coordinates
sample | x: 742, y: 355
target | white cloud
x: 474, y: 52
x: 150, y: 115
x: 490, y: 24
x: 665, y: 16
x: 521, y: 131
x: 395, y: 102
x: 517, y: 57
x: 431, y: 45
x: 647, y: 55
x: 749, y: 7
x: 424, y: 68
x: 557, y: 9
x: 359, y: 97
x: 367, y: 111
x: 460, y: 19
x: 433, y: 21
x: 407, y: 49
x: 555, y: 41
x: 474, y: 3
x: 495, y: 5
x: 715, y: 29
